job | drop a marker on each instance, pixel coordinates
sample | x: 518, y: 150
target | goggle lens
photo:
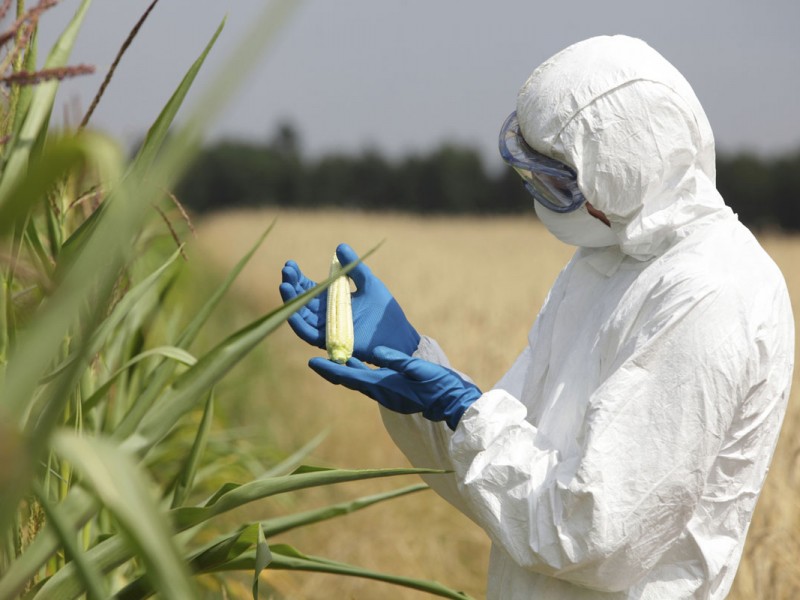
x: 552, y: 183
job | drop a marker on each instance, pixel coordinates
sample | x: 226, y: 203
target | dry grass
x: 456, y: 279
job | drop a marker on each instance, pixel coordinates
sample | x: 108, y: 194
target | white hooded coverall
x: 623, y: 453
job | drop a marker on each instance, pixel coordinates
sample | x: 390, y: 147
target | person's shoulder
x: 720, y: 275
x: 726, y: 258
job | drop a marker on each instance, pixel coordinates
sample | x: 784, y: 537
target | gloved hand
x: 378, y: 319
x: 404, y: 384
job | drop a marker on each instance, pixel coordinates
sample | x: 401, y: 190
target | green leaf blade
x: 289, y: 558
x: 121, y: 487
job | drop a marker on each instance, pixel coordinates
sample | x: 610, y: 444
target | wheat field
x: 475, y: 285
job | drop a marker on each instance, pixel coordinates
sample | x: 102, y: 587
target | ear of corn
x: 339, y: 335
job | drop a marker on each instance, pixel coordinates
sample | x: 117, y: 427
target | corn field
x: 116, y: 478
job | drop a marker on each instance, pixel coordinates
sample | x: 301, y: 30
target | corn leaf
x: 61, y: 156
x: 98, y: 261
x: 232, y: 496
x: 150, y: 148
x: 114, y: 551
x: 160, y: 128
x: 67, y: 584
x: 122, y: 486
x: 262, y: 559
x: 46, y: 543
x: 121, y: 310
x: 97, y: 250
x: 177, y: 354
x: 200, y: 318
x: 292, y: 461
x: 289, y: 558
x: 4, y: 338
x: 185, y: 478
x: 162, y: 375
x: 161, y: 428
x: 181, y: 396
x: 278, y: 525
x: 90, y: 575
x: 157, y: 280
x: 76, y: 511
x: 37, y: 247
x: 42, y: 340
x: 229, y: 546
x: 99, y: 257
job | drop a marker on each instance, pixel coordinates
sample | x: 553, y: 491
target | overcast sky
x: 407, y: 75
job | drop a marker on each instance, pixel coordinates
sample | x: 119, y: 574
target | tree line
x: 765, y: 192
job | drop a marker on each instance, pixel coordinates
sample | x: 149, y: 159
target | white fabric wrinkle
x: 604, y: 260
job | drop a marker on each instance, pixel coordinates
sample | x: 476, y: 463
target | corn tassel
x: 339, y: 336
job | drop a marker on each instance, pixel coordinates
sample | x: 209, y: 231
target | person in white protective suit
x: 622, y: 454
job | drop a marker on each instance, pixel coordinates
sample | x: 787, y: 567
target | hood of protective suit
x: 630, y: 125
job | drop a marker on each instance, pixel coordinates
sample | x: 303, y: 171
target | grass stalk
x: 125, y: 45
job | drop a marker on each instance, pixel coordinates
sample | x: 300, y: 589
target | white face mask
x: 577, y: 228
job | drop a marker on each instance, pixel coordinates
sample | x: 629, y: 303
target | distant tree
x: 374, y: 183
x: 450, y: 179
x: 331, y: 181
x: 463, y: 183
x: 508, y: 194
x: 223, y: 176
x: 786, y: 201
x: 746, y: 184
x: 286, y: 141
x: 234, y: 173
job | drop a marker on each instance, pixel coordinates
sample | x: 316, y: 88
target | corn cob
x: 339, y: 335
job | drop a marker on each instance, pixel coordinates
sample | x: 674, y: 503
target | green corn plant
x: 109, y: 466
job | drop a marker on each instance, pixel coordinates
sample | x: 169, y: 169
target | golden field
x: 475, y: 285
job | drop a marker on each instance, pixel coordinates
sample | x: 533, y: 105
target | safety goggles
x: 552, y: 183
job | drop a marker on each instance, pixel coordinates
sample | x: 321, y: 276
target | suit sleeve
x: 427, y: 444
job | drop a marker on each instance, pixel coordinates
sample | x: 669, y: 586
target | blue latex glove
x: 404, y: 384
x: 378, y: 319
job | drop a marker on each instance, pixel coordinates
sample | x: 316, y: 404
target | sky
x: 403, y: 76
